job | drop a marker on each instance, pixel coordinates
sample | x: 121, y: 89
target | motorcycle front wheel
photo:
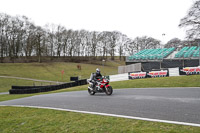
x: 91, y: 92
x: 109, y: 90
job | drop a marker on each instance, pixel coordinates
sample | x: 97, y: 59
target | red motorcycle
x: 101, y: 86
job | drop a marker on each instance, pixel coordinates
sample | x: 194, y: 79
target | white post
x: 198, y: 41
x: 103, y: 64
x: 199, y: 52
x: 162, y: 49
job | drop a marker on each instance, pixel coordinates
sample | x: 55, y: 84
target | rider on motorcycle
x: 96, y: 76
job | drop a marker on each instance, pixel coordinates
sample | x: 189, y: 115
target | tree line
x: 20, y: 37
x: 191, y: 23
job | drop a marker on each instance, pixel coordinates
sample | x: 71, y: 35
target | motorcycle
x: 102, y: 85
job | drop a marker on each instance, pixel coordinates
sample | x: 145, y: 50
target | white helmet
x: 97, y: 70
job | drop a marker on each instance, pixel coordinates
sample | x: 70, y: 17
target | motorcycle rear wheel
x: 109, y: 90
x: 91, y: 92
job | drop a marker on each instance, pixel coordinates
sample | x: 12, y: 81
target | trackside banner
x: 162, y: 73
x: 191, y: 70
x: 136, y: 75
x: 150, y: 74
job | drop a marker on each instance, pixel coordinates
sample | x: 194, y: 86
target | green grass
x: 181, y: 81
x: 48, y: 71
x: 6, y: 83
x: 15, y: 119
x: 52, y: 71
x: 30, y: 120
x: 6, y: 97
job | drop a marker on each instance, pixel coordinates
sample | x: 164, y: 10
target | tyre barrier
x: 38, y: 89
x: 73, y: 78
x: 25, y: 87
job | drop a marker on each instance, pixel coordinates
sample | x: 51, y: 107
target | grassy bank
x: 52, y: 71
x: 29, y: 120
x: 6, y: 83
x: 49, y: 71
x: 6, y: 97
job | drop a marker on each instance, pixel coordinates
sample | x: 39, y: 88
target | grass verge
x: 6, y: 83
x: 6, y: 97
x: 180, y: 81
x: 30, y: 120
x: 52, y: 71
x: 48, y: 71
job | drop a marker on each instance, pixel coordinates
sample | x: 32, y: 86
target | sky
x: 134, y: 18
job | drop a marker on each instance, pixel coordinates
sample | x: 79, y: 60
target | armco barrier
x: 37, y: 89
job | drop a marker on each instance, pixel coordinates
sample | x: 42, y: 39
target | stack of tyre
x: 38, y: 89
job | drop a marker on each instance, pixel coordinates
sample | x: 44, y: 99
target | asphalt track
x: 165, y: 104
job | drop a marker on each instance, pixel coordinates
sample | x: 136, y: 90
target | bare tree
x: 89, y: 44
x: 122, y: 45
x: 19, y: 36
x: 50, y: 31
x: 192, y: 21
x: 72, y: 43
x: 39, y: 45
x: 131, y: 46
x: 113, y: 38
x: 105, y: 40
x: 66, y: 39
x: 4, y: 20
x: 83, y: 42
x: 146, y: 43
x: 175, y: 42
x: 59, y: 37
x: 94, y: 42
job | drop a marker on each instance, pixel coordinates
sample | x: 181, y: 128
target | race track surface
x: 173, y: 104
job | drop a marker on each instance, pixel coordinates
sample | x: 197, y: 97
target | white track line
x: 113, y: 115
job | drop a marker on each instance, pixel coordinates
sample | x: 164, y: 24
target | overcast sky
x: 131, y: 17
